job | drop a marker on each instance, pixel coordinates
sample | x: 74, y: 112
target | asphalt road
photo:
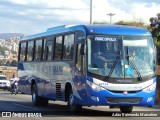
x: 20, y: 105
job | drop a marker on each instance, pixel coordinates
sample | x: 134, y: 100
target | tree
x: 7, y: 63
x: 2, y: 48
x: 100, y: 22
x: 13, y: 52
x: 14, y: 63
x: 1, y: 63
x: 155, y: 29
x: 132, y: 23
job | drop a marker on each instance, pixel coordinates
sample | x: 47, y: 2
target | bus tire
x: 37, y: 100
x: 126, y: 109
x: 35, y: 97
x: 72, y: 106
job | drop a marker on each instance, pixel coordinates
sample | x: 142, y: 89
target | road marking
x: 25, y: 106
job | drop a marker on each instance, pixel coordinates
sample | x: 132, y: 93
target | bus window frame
x: 74, y: 41
x: 46, y: 49
x: 20, y: 51
x: 35, y: 52
x: 62, y: 41
x: 32, y: 49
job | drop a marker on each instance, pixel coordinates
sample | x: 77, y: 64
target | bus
x: 89, y: 65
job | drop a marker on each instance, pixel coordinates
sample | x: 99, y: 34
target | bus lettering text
x: 56, y: 70
x: 104, y: 39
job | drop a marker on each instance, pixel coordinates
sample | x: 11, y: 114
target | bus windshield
x: 121, y: 56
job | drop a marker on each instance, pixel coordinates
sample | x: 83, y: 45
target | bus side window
x: 80, y: 60
x: 78, y: 57
x: 23, y: 51
x: 30, y: 51
x: 49, y: 48
x: 38, y: 50
x: 68, y: 47
x: 58, y: 48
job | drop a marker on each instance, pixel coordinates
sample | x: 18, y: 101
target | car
x: 4, y: 83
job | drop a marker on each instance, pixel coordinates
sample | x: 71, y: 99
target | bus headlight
x: 150, y: 88
x: 94, y: 86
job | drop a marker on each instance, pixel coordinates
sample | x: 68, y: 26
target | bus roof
x: 93, y: 29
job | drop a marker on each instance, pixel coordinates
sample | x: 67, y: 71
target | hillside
x: 10, y: 35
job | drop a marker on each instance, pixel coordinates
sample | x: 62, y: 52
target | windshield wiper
x: 113, y: 67
x: 134, y: 65
x: 137, y: 71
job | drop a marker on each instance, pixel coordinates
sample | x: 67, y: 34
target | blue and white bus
x: 89, y: 65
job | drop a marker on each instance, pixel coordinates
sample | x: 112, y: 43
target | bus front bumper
x: 111, y: 98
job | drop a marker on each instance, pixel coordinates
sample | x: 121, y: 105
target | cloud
x: 126, y: 10
x: 39, y: 14
x: 32, y: 16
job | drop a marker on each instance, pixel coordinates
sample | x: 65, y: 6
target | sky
x: 35, y: 16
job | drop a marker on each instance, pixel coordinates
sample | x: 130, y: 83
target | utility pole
x: 110, y: 15
x: 90, y: 11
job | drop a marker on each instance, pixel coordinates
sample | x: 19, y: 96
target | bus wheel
x: 35, y: 97
x: 72, y: 106
x: 126, y: 109
x: 37, y: 100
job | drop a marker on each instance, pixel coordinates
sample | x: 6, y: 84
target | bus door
x: 80, y: 77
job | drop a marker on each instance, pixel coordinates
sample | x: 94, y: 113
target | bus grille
x: 124, y: 100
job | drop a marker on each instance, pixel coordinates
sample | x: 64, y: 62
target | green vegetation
x: 2, y: 48
x: 13, y: 52
x: 14, y: 63
x: 101, y: 22
x: 132, y: 23
x: 137, y: 23
x: 155, y: 29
